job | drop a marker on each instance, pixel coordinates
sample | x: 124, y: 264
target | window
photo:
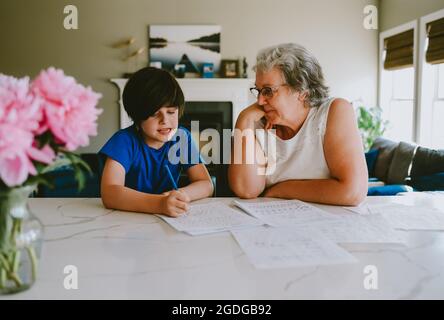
x: 431, y: 80
x: 397, y: 81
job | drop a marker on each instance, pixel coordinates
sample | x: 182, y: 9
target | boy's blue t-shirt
x: 145, y: 166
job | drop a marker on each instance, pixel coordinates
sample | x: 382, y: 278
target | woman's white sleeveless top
x: 301, y: 157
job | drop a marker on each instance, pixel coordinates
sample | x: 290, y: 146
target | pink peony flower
x: 69, y: 108
x: 20, y: 118
x: 45, y: 155
x: 15, y: 165
x: 18, y: 106
x: 52, y: 102
x: 14, y: 170
x: 20, y: 115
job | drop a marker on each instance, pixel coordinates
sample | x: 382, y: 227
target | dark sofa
x: 400, y: 167
x: 65, y: 184
x: 393, y: 167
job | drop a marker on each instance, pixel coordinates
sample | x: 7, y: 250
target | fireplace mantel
x: 235, y: 91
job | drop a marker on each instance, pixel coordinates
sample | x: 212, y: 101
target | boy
x: 136, y: 177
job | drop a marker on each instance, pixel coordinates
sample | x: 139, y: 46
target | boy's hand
x: 175, y: 203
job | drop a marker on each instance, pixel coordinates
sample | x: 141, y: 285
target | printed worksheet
x: 362, y: 209
x: 360, y: 229
x: 412, y: 217
x: 284, y: 212
x: 210, y: 218
x: 286, y: 247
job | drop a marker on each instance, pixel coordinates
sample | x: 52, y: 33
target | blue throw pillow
x: 370, y: 158
x: 434, y: 182
x: 389, y: 190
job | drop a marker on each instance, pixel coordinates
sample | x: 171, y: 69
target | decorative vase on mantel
x: 21, y: 235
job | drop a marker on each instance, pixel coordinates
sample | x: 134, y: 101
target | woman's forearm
x: 246, y: 173
x: 244, y: 180
x: 199, y: 189
x: 126, y: 199
x: 327, y: 191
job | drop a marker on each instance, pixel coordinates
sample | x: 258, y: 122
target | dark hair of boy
x: 150, y: 89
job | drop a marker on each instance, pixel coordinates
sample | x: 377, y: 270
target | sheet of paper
x: 284, y: 212
x: 436, y: 193
x: 210, y: 218
x: 411, y: 217
x: 360, y: 229
x: 362, y: 209
x: 286, y: 247
x: 423, y: 193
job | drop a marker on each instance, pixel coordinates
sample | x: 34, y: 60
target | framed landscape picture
x: 191, y: 45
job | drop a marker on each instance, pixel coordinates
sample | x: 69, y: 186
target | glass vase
x: 21, y: 235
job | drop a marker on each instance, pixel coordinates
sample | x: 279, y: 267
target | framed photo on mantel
x: 229, y: 68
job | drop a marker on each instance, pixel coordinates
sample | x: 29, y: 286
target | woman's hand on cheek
x: 254, y: 112
x: 272, y: 120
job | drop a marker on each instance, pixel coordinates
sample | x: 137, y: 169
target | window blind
x: 435, y: 35
x: 399, y: 51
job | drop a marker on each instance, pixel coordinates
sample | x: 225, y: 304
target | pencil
x: 171, y: 177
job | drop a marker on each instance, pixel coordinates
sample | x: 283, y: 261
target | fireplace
x: 216, y: 103
x: 217, y: 116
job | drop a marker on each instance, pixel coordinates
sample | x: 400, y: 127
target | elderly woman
x: 319, y: 155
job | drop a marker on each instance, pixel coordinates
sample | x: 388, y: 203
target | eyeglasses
x: 267, y: 92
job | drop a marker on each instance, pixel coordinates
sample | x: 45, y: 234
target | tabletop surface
x: 123, y: 255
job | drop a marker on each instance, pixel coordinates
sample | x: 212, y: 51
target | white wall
x: 396, y: 12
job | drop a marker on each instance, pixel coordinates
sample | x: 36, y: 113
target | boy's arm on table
x: 200, y: 185
x: 116, y: 196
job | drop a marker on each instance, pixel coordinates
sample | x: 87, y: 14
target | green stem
x: 15, y: 229
x: 3, y: 271
x: 14, y: 277
x: 2, y: 278
x: 4, y: 262
x: 9, y: 272
x: 12, y: 212
x: 16, y: 261
x: 15, y: 255
x: 33, y: 258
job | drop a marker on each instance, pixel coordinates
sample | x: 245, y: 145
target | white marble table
x: 122, y: 255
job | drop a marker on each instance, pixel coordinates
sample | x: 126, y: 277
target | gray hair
x: 300, y: 68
